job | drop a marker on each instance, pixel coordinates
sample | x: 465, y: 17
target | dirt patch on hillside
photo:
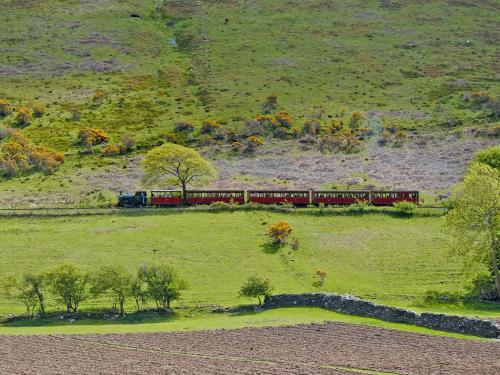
x: 430, y: 163
x: 332, y: 348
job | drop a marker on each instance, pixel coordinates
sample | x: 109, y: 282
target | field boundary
x: 353, y: 306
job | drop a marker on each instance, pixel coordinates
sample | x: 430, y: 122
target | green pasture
x: 380, y: 257
x: 268, y: 318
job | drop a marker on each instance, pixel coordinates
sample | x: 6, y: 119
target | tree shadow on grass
x: 53, y: 319
x: 270, y: 248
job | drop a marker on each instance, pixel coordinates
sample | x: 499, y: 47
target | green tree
x: 474, y: 219
x: 113, y: 279
x: 138, y: 292
x: 69, y: 285
x: 28, y: 290
x: 173, y: 164
x: 256, y: 287
x: 163, y: 283
x: 489, y: 156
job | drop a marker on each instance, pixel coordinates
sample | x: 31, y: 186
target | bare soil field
x: 332, y: 348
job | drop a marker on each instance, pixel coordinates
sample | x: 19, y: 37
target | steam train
x: 299, y: 198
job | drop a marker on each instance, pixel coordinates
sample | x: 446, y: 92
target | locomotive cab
x: 138, y: 199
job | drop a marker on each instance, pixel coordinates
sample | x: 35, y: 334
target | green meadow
x: 380, y: 257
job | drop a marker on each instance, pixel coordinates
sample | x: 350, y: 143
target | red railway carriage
x: 388, y: 198
x: 212, y: 196
x: 296, y: 197
x: 165, y: 198
x: 339, y: 197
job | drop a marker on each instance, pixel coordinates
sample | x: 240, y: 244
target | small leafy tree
x: 29, y: 291
x: 113, y: 279
x: 279, y: 232
x: 138, y: 292
x: 173, y: 164
x: 256, y: 287
x: 163, y: 283
x: 474, y: 219
x: 69, y: 285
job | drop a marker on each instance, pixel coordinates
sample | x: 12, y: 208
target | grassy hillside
x: 157, y: 62
x: 386, y: 259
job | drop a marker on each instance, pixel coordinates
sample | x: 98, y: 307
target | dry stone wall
x: 353, y: 306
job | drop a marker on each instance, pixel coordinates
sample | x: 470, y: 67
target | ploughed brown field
x: 332, y: 348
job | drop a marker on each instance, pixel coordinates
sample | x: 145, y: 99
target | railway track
x: 90, y: 211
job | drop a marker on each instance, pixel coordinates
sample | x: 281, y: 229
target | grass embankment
x: 277, y: 317
x: 375, y: 256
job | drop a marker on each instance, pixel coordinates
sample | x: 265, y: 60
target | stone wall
x: 354, y: 306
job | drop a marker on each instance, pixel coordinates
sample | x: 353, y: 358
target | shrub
x: 335, y: 126
x: 69, y: 285
x: 253, y: 143
x: 236, y: 146
x: 308, y: 139
x: 163, y: 284
x: 111, y: 150
x: 253, y: 128
x: 128, y: 143
x: 356, y: 120
x: 393, y: 135
x: 481, y: 97
x: 183, y: 127
x: 5, y: 107
x: 38, y: 111
x: 99, y: 96
x: 321, y: 273
x: 280, y: 132
x: 256, y: 287
x: 279, y: 232
x: 209, y: 126
x: 206, y: 139
x: 76, y: 114
x: 89, y: 137
x: 231, y: 136
x: 312, y: 127
x: 19, y: 156
x: 270, y: 104
x: 284, y: 119
x: 171, y: 138
x: 45, y: 160
x: 344, y: 140
x: 406, y: 208
x: 23, y: 116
